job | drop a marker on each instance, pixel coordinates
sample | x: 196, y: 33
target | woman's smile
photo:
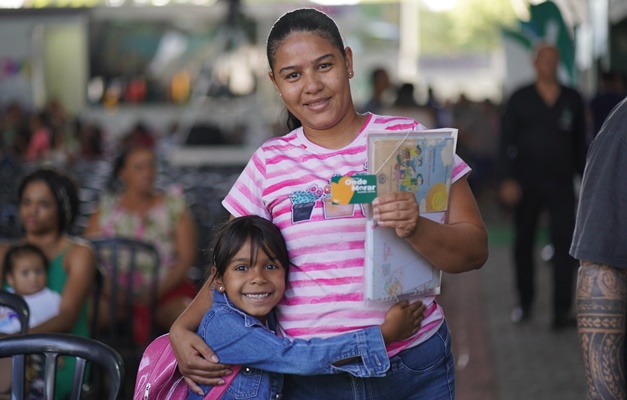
x: 318, y: 105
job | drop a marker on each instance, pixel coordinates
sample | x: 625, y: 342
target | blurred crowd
x: 478, y: 120
x: 47, y: 134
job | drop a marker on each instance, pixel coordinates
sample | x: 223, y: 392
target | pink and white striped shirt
x: 287, y: 181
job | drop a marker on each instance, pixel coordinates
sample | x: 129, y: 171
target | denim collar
x: 220, y: 299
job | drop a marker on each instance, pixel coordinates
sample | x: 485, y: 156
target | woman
x: 142, y: 212
x: 48, y: 204
x: 310, y: 69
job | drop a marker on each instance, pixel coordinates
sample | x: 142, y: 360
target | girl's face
x: 312, y: 78
x: 28, y: 275
x: 38, y: 208
x: 254, y: 288
x: 139, y: 171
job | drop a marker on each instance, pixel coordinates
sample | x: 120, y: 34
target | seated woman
x: 48, y: 204
x: 142, y: 212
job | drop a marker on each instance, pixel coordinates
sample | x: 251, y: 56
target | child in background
x: 26, y: 272
x: 249, y: 274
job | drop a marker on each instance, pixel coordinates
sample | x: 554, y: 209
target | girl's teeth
x: 257, y: 296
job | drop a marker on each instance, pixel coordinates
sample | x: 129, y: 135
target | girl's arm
x: 361, y: 353
x: 185, y: 244
x: 81, y: 271
x: 197, y: 362
x: 460, y: 245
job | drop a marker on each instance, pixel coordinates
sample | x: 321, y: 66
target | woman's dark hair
x: 21, y: 250
x: 64, y: 191
x: 302, y: 20
x: 261, y: 233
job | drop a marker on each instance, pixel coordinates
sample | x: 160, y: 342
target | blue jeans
x: 424, y: 372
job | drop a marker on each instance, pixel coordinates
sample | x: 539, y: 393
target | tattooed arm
x: 601, y: 312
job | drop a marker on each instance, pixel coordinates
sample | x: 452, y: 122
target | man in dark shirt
x: 543, y: 146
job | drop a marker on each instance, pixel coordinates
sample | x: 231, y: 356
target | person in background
x: 13, y: 131
x: 543, y: 148
x: 139, y: 210
x: 599, y: 245
x: 380, y: 83
x: 311, y: 70
x: 41, y: 139
x: 139, y: 135
x: 405, y: 104
x: 249, y: 274
x: 26, y: 272
x: 48, y: 204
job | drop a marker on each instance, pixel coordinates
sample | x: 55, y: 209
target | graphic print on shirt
x: 304, y: 202
x: 7, y: 319
x: 566, y: 119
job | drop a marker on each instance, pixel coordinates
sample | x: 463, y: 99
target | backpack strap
x: 218, y: 390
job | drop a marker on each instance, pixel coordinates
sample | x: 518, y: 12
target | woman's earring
x: 350, y: 74
x: 221, y: 289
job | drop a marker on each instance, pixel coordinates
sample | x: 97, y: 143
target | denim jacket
x: 238, y: 338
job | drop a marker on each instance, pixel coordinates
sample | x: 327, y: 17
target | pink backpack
x: 158, y: 377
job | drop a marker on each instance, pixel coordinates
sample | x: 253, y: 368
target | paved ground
x: 496, y: 359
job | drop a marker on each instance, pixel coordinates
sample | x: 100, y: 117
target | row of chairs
x: 118, y: 261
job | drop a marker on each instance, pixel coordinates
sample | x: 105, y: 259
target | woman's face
x: 139, y: 171
x: 312, y: 78
x: 38, y: 208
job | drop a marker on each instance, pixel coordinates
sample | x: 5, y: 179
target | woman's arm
x: 81, y: 270
x: 459, y: 245
x: 197, y: 362
x: 93, y: 225
x: 185, y: 245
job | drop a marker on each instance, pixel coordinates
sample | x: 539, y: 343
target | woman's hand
x: 196, y: 361
x: 402, y: 321
x: 399, y: 211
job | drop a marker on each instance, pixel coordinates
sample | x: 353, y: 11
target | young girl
x: 26, y: 271
x: 249, y: 275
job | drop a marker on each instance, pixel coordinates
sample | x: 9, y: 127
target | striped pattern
x: 326, y: 243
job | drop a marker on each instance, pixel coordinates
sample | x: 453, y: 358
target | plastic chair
x: 118, y: 258
x: 53, y: 345
x: 17, y: 304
